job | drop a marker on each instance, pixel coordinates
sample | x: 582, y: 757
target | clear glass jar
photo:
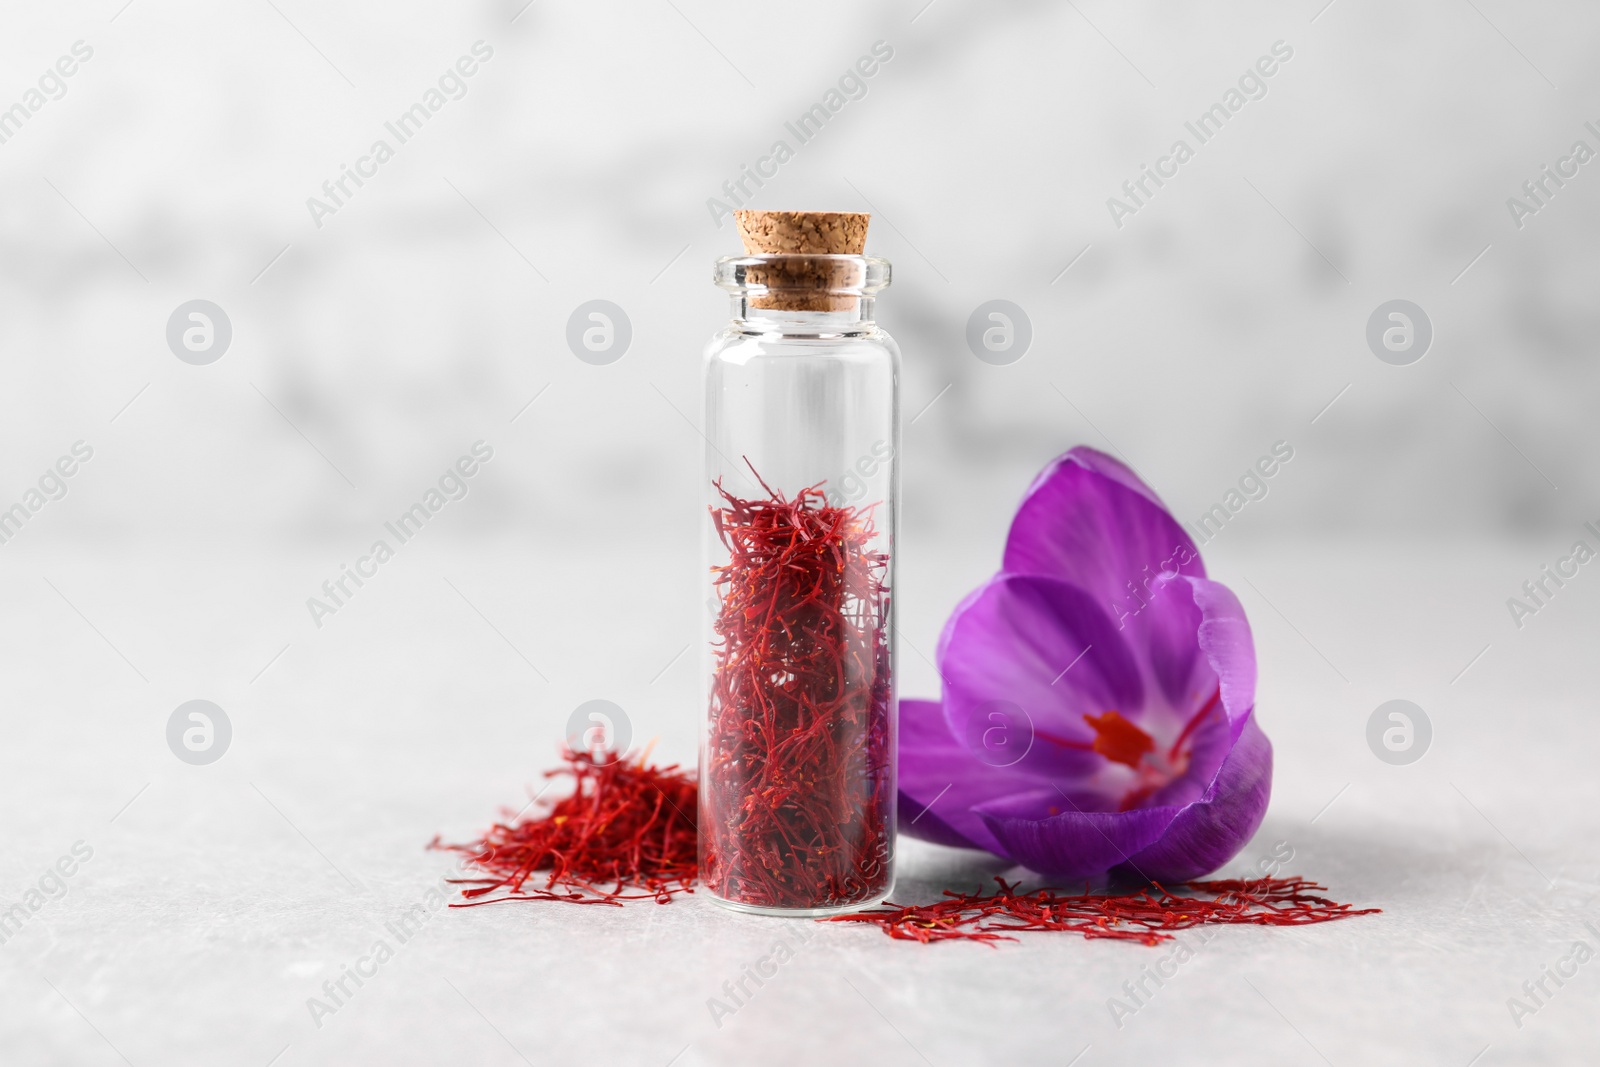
x: 797, y: 768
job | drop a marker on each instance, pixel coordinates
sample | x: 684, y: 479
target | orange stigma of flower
x: 1119, y: 740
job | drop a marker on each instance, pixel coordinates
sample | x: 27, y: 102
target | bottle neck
x: 850, y: 322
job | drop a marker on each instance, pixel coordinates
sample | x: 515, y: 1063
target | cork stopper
x: 772, y: 233
x: 802, y: 284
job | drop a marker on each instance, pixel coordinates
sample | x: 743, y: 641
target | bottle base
x: 802, y: 913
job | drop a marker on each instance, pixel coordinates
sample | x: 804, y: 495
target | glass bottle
x: 797, y: 768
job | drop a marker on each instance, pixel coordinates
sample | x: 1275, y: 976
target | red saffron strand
x: 626, y: 826
x: 797, y: 799
x: 1195, y: 720
x: 1149, y: 916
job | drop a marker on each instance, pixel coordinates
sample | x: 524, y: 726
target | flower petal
x: 1211, y: 831
x: 1072, y: 844
x: 1229, y: 648
x: 1046, y: 649
x: 1098, y: 462
x: 1089, y: 520
x: 1223, y: 635
x: 940, y: 781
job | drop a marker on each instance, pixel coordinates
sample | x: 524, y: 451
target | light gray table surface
x: 218, y: 899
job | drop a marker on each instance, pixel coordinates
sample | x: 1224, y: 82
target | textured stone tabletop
x: 218, y: 899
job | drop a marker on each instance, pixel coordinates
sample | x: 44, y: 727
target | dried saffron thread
x: 625, y: 826
x: 1146, y: 917
x: 798, y: 781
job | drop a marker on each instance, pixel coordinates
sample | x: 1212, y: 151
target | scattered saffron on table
x: 625, y: 833
x: 1148, y: 916
x: 797, y: 802
x: 625, y: 826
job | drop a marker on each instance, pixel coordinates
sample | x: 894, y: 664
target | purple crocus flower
x: 1098, y: 696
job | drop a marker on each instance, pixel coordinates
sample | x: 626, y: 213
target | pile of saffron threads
x: 625, y: 826
x: 1148, y: 917
x: 797, y: 785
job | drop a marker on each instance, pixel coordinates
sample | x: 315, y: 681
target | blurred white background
x: 370, y: 351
